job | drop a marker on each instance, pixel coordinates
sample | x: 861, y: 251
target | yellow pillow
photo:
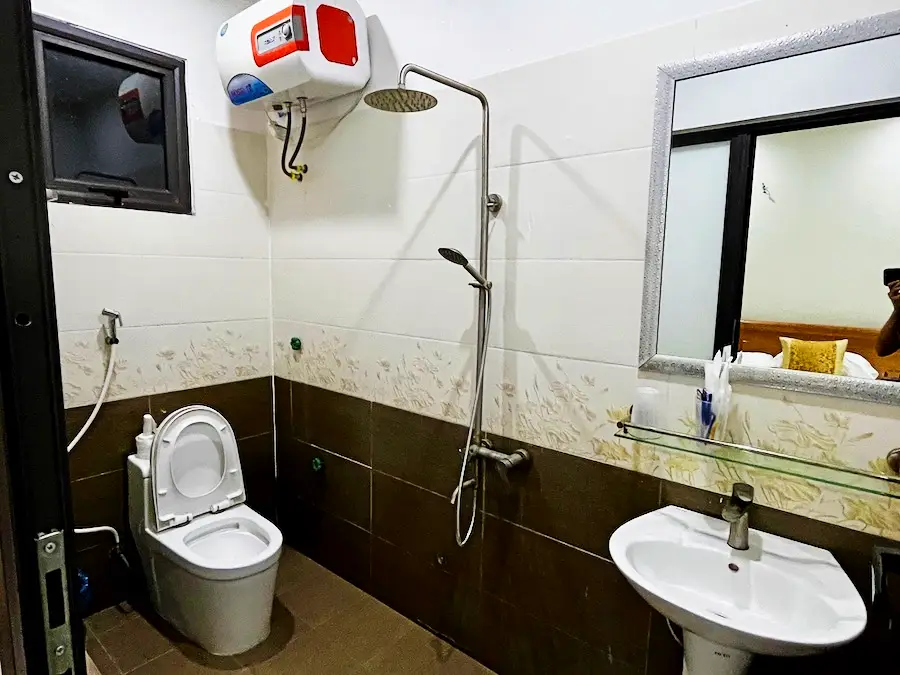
x: 813, y: 357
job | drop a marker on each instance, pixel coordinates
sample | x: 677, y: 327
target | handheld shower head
x: 458, y: 258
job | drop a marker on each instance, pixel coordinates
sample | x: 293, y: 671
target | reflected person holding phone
x: 889, y: 339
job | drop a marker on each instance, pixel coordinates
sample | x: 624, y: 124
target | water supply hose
x: 461, y: 539
x: 104, y: 392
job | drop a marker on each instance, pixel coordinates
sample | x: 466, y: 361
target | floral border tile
x: 156, y: 359
x: 573, y: 406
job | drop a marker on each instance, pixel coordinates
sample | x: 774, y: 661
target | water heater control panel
x: 283, y: 50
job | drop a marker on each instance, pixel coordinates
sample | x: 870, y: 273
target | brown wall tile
x: 422, y: 592
x: 257, y: 454
x: 283, y: 407
x: 513, y: 642
x: 422, y: 524
x: 247, y: 404
x: 106, y: 578
x: 109, y: 440
x: 335, y: 422
x: 573, y: 499
x: 341, y: 488
x: 99, y: 500
x: 420, y: 450
x: 336, y: 544
x: 561, y: 586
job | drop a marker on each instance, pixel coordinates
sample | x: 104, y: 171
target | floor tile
x: 321, y: 625
x: 285, y: 629
x: 294, y: 567
x: 176, y: 663
x: 133, y: 643
x: 319, y: 598
x: 422, y: 653
x: 99, y: 662
x: 108, y: 618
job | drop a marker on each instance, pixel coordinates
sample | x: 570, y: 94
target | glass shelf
x: 769, y: 460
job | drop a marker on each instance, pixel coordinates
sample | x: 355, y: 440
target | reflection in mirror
x: 824, y: 226
x: 775, y: 217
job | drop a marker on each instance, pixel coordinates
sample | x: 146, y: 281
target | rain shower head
x: 458, y: 258
x: 401, y: 100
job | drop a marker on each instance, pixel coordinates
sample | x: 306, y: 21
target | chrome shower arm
x: 442, y: 79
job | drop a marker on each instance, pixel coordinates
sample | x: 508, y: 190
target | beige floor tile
x: 133, y: 643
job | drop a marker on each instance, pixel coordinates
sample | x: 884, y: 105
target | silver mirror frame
x: 872, y: 28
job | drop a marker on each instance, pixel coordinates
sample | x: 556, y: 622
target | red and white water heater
x: 278, y: 51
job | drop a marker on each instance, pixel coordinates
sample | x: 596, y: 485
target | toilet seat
x: 233, y: 544
x: 194, y: 467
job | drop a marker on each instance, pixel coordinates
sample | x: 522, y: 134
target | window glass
x: 107, y: 123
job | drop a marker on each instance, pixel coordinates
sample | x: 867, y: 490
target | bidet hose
x: 104, y: 392
x: 476, y: 400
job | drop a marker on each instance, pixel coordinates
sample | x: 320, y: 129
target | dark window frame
x: 176, y: 199
x: 736, y: 223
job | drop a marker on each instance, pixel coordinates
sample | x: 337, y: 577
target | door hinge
x: 51, y: 555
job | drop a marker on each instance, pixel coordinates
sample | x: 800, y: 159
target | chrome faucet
x: 736, y: 512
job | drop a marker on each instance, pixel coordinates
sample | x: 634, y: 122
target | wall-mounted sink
x: 780, y: 597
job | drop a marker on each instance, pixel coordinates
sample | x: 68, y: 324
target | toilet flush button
x: 162, y: 492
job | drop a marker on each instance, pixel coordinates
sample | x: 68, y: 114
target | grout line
x: 133, y: 327
x: 467, y: 345
x: 155, y: 658
x: 547, y: 536
x: 159, y: 256
x: 334, y: 454
x: 438, y: 260
x: 548, y: 160
x: 406, y: 482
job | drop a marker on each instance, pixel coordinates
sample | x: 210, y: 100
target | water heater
x: 277, y: 50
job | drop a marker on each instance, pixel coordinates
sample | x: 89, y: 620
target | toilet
x: 210, y: 560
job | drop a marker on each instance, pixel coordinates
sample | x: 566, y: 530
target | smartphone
x: 891, y: 274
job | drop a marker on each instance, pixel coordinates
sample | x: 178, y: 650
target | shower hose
x: 104, y: 392
x: 476, y: 401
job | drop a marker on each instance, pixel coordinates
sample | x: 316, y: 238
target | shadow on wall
x: 360, y: 158
x: 513, y: 220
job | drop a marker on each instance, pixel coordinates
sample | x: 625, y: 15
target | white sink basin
x: 780, y: 597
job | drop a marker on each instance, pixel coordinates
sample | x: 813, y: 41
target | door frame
x: 33, y: 439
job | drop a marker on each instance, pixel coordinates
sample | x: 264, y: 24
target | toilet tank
x: 139, y: 497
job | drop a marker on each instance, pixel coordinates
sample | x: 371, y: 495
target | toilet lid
x: 194, y: 466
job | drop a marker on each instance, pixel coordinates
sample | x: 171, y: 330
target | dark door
x: 34, y: 479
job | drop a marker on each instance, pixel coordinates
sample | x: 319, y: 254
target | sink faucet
x: 736, y: 512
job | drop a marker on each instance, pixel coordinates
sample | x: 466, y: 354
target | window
x: 113, y: 120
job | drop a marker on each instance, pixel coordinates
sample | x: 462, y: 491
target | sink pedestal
x: 702, y: 657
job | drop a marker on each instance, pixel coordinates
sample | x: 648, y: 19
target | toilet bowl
x: 210, y: 560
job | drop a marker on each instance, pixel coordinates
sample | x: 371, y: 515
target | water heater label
x: 244, y: 88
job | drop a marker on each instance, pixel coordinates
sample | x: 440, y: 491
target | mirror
x: 774, y: 223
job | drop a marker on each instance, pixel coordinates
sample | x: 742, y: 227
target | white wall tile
x: 228, y: 160
x: 591, y: 207
x: 759, y: 22
x: 427, y: 299
x: 224, y: 225
x: 583, y: 310
x: 158, y: 290
x: 597, y: 100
